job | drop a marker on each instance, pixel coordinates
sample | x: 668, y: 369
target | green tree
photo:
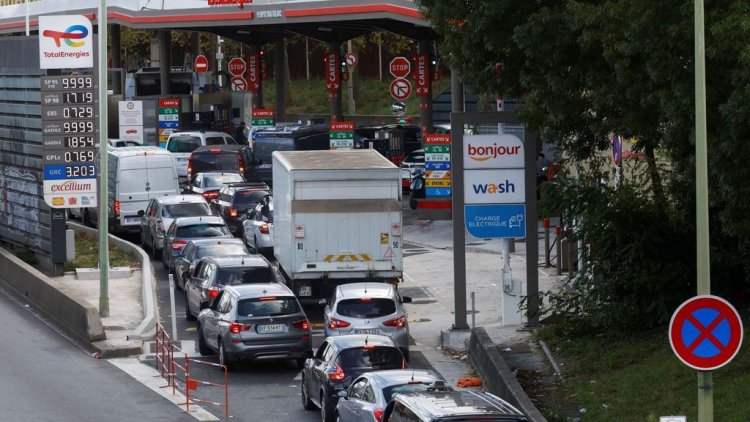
x: 587, y: 69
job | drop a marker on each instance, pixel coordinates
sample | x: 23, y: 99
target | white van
x: 135, y: 176
x: 182, y: 144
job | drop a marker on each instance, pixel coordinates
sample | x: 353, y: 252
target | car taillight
x: 159, y: 225
x: 233, y: 212
x: 337, y: 375
x: 398, y: 322
x: 210, y: 195
x: 213, y: 292
x: 215, y: 150
x: 241, y: 166
x: 337, y: 323
x: 177, y: 245
x: 378, y: 414
x: 117, y: 207
x: 235, y: 327
x: 190, y: 168
x: 301, y: 324
x: 264, y: 229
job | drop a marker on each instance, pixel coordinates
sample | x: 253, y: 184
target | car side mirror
x: 141, y: 213
x: 191, y: 270
x: 342, y: 394
x: 405, y: 299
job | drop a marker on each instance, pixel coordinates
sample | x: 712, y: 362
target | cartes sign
x: 422, y: 76
x: 253, y: 72
x: 705, y: 332
x: 333, y: 71
x: 65, y: 42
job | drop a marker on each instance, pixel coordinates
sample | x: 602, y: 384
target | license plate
x: 367, y: 331
x: 132, y: 220
x: 271, y: 328
x: 264, y: 166
x: 181, y: 159
x: 305, y: 291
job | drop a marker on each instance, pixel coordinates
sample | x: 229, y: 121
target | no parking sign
x: 705, y: 332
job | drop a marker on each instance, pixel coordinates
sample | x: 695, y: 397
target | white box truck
x: 337, y: 219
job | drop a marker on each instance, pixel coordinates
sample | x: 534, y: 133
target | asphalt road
x: 47, y: 378
x: 267, y: 392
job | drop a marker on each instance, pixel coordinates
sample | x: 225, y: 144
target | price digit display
x: 69, y: 138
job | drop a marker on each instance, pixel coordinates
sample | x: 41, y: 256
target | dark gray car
x: 255, y: 322
x: 211, y: 274
x: 197, y: 249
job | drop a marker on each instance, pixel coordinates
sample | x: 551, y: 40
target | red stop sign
x: 201, y: 63
x: 400, y: 67
x: 236, y: 66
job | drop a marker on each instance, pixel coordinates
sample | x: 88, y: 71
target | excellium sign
x: 65, y: 42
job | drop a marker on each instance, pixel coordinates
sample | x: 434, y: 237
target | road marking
x: 150, y: 377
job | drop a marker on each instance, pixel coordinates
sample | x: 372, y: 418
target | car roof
x: 221, y: 148
x: 198, y: 133
x: 190, y: 221
x: 358, y: 340
x: 179, y: 199
x: 259, y: 289
x: 401, y: 376
x: 216, y: 241
x: 238, y: 261
x: 218, y: 173
x: 457, y: 403
x: 357, y: 290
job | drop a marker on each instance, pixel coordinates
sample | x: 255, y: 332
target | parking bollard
x: 546, y: 243
x: 558, y: 249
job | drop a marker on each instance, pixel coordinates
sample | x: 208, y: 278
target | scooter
x: 417, y: 189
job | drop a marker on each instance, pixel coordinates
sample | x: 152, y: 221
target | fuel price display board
x: 69, y: 135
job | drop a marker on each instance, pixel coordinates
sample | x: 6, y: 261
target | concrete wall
x: 497, y: 376
x: 78, y: 318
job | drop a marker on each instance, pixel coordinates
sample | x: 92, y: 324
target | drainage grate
x: 422, y: 302
x: 414, y: 292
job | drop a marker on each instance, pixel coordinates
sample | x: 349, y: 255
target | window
x: 357, y: 391
x: 186, y: 210
x: 225, y: 303
x: 203, y: 230
x: 187, y: 253
x: 366, y: 308
x: 184, y: 143
x: 218, y: 181
x: 202, y: 270
x: 230, y: 276
x: 377, y: 357
x: 221, y: 250
x: 214, y: 140
x: 263, y: 307
x: 391, y: 391
x: 401, y: 413
x: 369, y: 395
x: 321, y: 350
x: 214, y: 161
x: 249, y: 197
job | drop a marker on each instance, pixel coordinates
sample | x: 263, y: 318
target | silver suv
x: 368, y: 308
x: 255, y: 322
x: 182, y: 144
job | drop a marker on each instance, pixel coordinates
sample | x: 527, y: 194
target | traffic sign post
x: 437, y: 150
x: 238, y: 83
x: 400, y: 89
x: 705, y: 332
x: 262, y: 117
x: 169, y: 118
x: 201, y: 63
x: 342, y: 135
x: 351, y: 59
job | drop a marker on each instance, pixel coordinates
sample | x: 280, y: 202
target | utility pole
x: 102, y: 176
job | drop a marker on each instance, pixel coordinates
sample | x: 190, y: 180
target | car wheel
x: 223, y: 360
x: 164, y: 261
x: 300, y: 363
x: 188, y: 315
x: 155, y: 252
x: 86, y: 219
x: 255, y: 244
x: 326, y: 410
x: 203, y: 348
x: 406, y: 354
x: 412, y: 202
x: 307, y: 404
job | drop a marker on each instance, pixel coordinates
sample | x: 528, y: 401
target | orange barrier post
x: 193, y: 383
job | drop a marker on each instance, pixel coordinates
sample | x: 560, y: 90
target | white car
x: 258, y: 227
x: 160, y: 213
x: 182, y: 144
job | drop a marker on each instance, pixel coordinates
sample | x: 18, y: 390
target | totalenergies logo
x: 74, y: 32
x: 484, y: 153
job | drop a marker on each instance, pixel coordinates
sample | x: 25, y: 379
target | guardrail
x: 177, y: 374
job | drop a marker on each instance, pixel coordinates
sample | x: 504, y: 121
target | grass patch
x: 638, y: 378
x: 374, y: 97
x: 87, y: 255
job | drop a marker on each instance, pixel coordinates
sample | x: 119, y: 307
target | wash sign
x: 494, y: 186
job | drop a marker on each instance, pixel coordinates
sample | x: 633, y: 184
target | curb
x: 497, y: 376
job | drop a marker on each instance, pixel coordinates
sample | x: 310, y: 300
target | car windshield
x: 366, y: 307
x: 267, y: 306
x: 186, y: 210
x: 388, y: 392
x: 221, y: 250
x: 183, y: 143
x: 249, y: 197
x: 219, y: 180
x: 244, y: 275
x: 375, y: 357
x: 214, y: 161
x: 202, y: 230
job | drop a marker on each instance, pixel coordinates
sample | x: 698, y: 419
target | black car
x: 338, y: 361
x: 235, y: 200
x: 197, y: 249
x: 226, y: 158
x: 393, y: 142
x: 286, y: 138
x: 441, y: 404
x: 212, y: 273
